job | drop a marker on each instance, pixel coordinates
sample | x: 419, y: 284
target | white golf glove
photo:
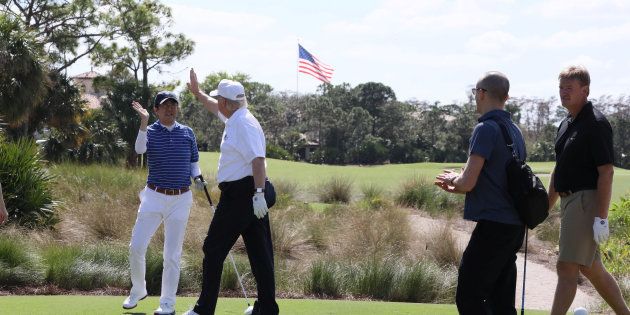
x: 260, y: 205
x: 200, y: 183
x: 600, y: 230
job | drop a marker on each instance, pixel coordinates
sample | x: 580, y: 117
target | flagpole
x: 297, y: 74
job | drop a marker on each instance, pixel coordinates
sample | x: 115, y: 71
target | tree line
x: 339, y: 124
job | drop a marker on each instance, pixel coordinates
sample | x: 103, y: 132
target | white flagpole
x: 297, y: 74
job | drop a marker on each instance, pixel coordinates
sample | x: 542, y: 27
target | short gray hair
x: 576, y: 73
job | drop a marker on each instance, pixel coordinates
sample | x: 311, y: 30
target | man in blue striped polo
x: 172, y: 160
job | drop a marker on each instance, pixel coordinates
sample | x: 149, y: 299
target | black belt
x: 565, y: 194
x: 168, y: 191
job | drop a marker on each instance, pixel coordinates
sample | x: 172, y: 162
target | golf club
x: 250, y: 308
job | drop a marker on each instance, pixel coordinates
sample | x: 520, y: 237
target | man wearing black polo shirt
x: 582, y: 178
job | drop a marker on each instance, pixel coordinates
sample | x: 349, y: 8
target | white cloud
x: 573, y: 9
x: 495, y: 42
x: 588, y: 37
x: 396, y: 16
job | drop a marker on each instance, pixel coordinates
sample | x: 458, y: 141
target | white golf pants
x: 154, y: 209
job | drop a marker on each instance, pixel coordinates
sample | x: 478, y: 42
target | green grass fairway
x: 75, y: 305
x: 307, y: 176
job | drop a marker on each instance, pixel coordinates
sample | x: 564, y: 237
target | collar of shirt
x: 158, y: 126
x: 499, y: 113
x: 587, y: 108
x: 238, y: 113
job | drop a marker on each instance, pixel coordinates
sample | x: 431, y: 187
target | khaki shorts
x: 577, y: 212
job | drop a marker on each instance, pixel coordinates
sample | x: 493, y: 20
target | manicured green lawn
x: 308, y: 176
x: 71, y: 305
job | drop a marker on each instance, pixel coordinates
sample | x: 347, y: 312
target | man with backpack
x: 487, y: 274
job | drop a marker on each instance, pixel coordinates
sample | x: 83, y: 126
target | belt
x: 167, y: 191
x: 564, y: 194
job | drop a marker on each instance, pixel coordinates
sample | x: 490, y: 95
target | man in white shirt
x: 242, y: 209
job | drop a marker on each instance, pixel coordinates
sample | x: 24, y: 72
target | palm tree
x: 23, y: 74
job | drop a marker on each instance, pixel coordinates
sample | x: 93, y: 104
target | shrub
x: 616, y: 255
x: 229, y: 278
x: 26, y: 185
x: 620, y: 218
x: 81, y: 268
x: 415, y: 192
x: 285, y: 191
x: 277, y: 152
x: 18, y: 264
x: 324, y: 279
x: 549, y: 230
x: 373, y: 196
x: 361, y: 234
x: 287, y: 233
x: 444, y: 247
x: 374, y: 278
x: 419, y: 193
x: 336, y: 189
x: 419, y: 282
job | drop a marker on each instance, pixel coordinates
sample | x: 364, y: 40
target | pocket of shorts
x: 141, y: 194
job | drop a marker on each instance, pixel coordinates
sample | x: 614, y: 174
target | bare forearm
x: 553, y: 194
x: 604, y: 193
x: 208, y: 102
x: 258, y: 169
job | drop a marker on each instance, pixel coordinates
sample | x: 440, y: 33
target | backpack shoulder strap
x: 506, y: 137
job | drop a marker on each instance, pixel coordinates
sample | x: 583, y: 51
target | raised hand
x: 193, y: 85
x: 142, y: 112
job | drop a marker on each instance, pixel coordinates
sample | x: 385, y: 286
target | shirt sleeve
x: 483, y: 140
x: 601, y: 144
x: 252, y: 138
x: 194, y: 169
x: 141, y: 142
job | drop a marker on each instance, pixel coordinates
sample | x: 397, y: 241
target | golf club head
x: 249, y: 310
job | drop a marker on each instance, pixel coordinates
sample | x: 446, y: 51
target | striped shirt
x: 170, y: 154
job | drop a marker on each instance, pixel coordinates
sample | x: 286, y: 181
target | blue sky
x: 429, y: 50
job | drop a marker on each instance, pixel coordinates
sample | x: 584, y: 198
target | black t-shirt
x: 582, y: 144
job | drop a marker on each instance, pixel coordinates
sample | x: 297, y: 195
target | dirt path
x: 541, y: 278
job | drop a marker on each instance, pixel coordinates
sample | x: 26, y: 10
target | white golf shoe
x: 165, y: 309
x: 132, y: 300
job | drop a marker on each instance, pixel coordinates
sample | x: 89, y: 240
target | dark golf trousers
x: 234, y: 216
x: 487, y: 274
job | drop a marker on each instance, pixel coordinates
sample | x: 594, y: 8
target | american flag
x: 310, y: 65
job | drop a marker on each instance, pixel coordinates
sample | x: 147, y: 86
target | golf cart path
x: 541, y: 280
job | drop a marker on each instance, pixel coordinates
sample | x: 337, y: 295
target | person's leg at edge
x: 606, y: 286
x: 146, y: 225
x: 222, y: 234
x: 174, y: 232
x: 257, y: 239
x: 502, y: 299
x: 566, y: 287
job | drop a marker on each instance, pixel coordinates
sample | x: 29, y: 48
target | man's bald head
x: 496, y: 85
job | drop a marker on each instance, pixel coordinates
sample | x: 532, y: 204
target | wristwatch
x: 260, y: 190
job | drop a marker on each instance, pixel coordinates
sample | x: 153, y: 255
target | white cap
x: 229, y: 89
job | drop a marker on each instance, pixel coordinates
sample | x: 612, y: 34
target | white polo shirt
x: 243, y: 140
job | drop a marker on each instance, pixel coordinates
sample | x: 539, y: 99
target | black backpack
x: 527, y: 191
